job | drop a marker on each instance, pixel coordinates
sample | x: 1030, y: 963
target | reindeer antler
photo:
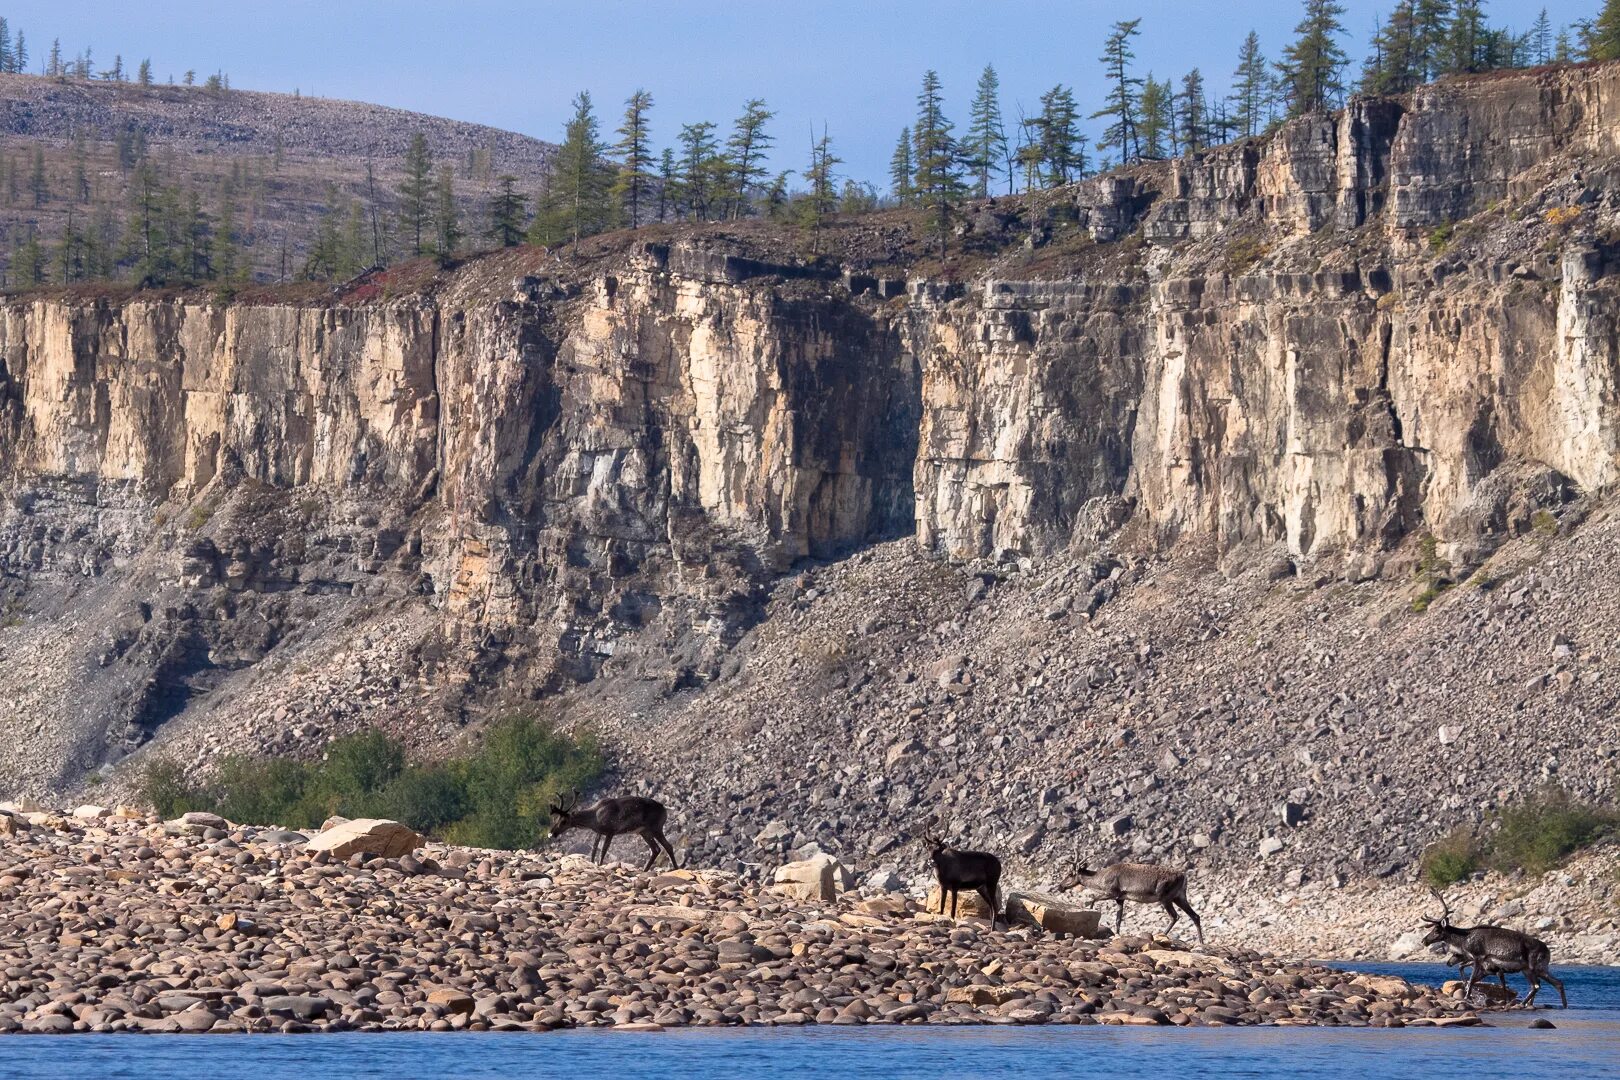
x: 1445, y: 908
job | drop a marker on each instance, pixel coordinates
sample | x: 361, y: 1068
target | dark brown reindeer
x: 1493, y: 950
x: 958, y: 870
x: 612, y: 817
x: 1140, y: 883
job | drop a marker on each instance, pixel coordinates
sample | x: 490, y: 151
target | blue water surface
x: 1585, y: 1044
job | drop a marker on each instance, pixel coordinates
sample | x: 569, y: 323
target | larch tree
x: 1155, y: 129
x: 635, y: 157
x: 416, y: 195
x: 446, y: 220
x: 822, y: 197
x: 745, y: 150
x: 1121, y: 109
x: 1058, y: 137
x: 576, y: 202
x: 900, y: 169
x: 1251, y: 85
x: 702, y: 169
x: 144, y: 74
x: 1604, y: 41
x: 1395, y: 65
x: 1313, y: 66
x: 985, y: 148
x: 1192, y: 119
x: 1541, y: 39
x: 936, y: 178
x: 508, y: 212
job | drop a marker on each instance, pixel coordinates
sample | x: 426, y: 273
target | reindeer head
x: 1078, y: 878
x: 561, y: 811
x: 930, y: 842
x: 1441, y: 927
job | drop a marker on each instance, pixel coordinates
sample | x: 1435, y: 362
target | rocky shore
x: 126, y: 923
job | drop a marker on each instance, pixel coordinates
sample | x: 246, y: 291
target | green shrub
x: 163, y: 784
x: 1451, y: 858
x: 1440, y: 236
x: 497, y: 797
x: 1539, y: 833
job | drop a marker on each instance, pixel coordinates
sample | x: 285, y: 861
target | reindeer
x: 1493, y: 950
x: 957, y: 870
x: 1141, y: 883
x: 610, y: 817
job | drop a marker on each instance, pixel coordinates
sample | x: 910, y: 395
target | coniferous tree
x: 746, y: 150
x: 1466, y: 38
x: 19, y: 54
x: 1541, y: 39
x: 1603, y: 42
x: 1313, y: 65
x: 28, y: 264
x: 446, y: 221
x: 901, y: 169
x: 5, y: 46
x: 702, y: 170
x: 1154, y: 131
x: 1192, y: 119
x: 144, y: 75
x: 508, y: 212
x: 1251, y: 84
x: 635, y: 157
x: 1396, y: 64
x: 937, y: 177
x: 1121, y: 110
x: 416, y: 196
x: 576, y: 200
x: 669, y: 185
x: 1061, y: 155
x: 1431, y: 21
x: 985, y: 148
x: 38, y: 186
x: 821, y: 199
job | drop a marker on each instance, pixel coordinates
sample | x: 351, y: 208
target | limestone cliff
x: 1397, y: 320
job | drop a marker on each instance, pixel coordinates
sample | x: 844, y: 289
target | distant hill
x: 283, y: 161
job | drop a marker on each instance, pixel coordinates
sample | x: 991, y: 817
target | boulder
x: 375, y: 836
x: 200, y: 819
x: 452, y: 1001
x: 1053, y: 914
x: 10, y: 825
x: 1492, y: 993
x: 968, y: 904
x: 815, y: 879
x: 90, y: 813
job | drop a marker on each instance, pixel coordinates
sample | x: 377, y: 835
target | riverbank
x: 113, y: 924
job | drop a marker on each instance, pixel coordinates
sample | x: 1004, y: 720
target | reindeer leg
x: 1563, y: 998
x: 1473, y: 980
x: 646, y: 834
x: 990, y: 901
x: 1170, y: 910
x: 1119, y: 923
x: 607, y: 842
x: 1535, y: 987
x: 1198, y: 923
x: 674, y: 864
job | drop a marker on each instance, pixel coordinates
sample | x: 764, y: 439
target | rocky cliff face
x: 1396, y: 321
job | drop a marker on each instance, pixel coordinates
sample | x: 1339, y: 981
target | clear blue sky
x: 854, y: 65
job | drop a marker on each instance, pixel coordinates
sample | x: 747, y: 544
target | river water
x: 1586, y: 1043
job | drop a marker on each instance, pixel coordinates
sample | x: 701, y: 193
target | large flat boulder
x: 375, y: 836
x: 968, y: 904
x: 815, y: 879
x: 1053, y: 914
